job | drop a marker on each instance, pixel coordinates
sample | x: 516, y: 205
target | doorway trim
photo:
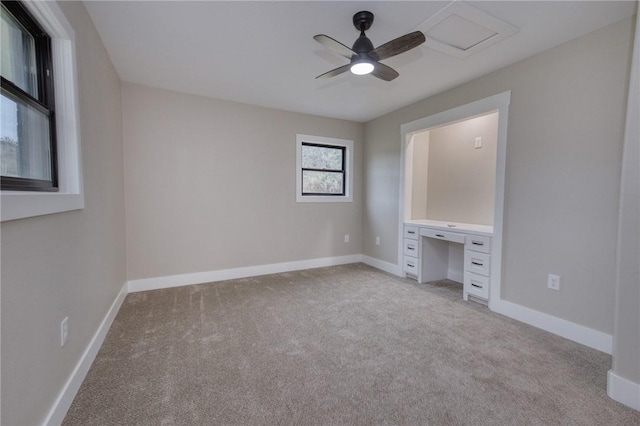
x: 499, y: 102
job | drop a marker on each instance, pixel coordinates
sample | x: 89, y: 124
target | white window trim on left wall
x: 348, y: 145
x: 23, y: 204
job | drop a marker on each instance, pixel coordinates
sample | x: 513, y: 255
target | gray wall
x: 626, y: 342
x: 419, y: 148
x: 210, y: 185
x: 562, y: 173
x: 67, y: 264
x: 460, y: 178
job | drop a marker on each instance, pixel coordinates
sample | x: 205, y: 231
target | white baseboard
x: 59, y: 409
x: 623, y: 390
x: 578, y: 333
x: 456, y: 276
x: 382, y: 265
x: 230, y: 274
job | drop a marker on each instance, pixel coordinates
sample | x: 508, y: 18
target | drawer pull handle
x: 411, y: 248
x: 477, y: 263
x: 411, y: 232
x: 475, y: 285
x: 440, y: 235
x: 477, y: 243
x: 410, y: 265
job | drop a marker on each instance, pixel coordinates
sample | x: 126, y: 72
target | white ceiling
x: 263, y: 53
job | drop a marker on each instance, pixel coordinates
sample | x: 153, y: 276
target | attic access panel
x: 460, y: 30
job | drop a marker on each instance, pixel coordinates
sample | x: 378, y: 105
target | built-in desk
x: 426, y: 253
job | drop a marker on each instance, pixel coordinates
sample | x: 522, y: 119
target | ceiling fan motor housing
x: 362, y: 46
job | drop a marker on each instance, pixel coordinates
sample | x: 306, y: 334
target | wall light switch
x: 479, y: 142
x: 553, y: 282
x: 346, y: 238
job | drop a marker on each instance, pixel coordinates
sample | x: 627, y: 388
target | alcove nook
x: 452, y: 196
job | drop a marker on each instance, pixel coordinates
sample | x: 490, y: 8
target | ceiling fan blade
x: 384, y: 72
x: 335, y: 71
x: 334, y: 45
x: 398, y: 45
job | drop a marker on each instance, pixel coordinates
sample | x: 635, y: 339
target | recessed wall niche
x: 450, y: 171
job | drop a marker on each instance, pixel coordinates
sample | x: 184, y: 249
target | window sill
x: 322, y: 199
x: 21, y: 205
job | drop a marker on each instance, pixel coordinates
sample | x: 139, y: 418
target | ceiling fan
x: 364, y: 59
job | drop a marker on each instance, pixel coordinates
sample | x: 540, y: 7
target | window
x: 27, y: 129
x: 324, y: 169
x: 24, y: 202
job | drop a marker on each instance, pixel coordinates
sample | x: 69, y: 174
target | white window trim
x: 348, y: 145
x: 23, y: 204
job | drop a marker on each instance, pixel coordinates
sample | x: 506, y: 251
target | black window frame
x: 343, y: 171
x: 44, y: 103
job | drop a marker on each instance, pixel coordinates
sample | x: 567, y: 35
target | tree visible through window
x: 323, y: 169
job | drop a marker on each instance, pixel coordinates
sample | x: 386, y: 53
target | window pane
x: 322, y: 182
x: 319, y: 157
x: 18, y: 61
x: 25, y: 143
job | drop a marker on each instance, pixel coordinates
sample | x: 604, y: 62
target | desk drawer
x: 476, y: 285
x: 478, y: 243
x: 411, y: 232
x: 410, y: 265
x: 443, y: 235
x: 475, y: 262
x: 411, y: 247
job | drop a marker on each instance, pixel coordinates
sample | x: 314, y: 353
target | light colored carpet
x: 339, y: 345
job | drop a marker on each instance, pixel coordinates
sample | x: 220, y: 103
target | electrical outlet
x: 64, y: 331
x: 377, y: 241
x: 346, y: 238
x: 478, y: 143
x: 553, y: 282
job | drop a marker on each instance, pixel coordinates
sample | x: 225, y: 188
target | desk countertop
x: 454, y: 226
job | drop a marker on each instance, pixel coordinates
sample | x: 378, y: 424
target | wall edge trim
x: 382, y: 265
x: 623, y: 390
x: 456, y: 276
x: 179, y: 280
x: 63, y: 402
x: 594, y: 339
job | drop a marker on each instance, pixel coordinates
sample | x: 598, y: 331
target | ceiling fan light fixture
x: 362, y: 67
